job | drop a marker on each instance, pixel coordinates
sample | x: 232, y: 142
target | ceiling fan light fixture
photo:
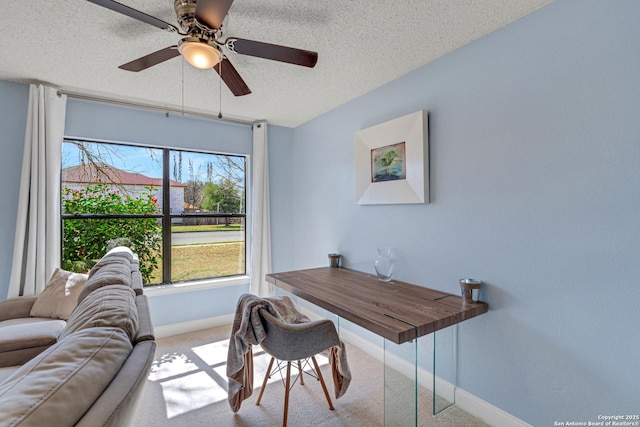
x: 200, y: 54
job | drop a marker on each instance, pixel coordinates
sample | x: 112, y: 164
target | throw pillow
x: 60, y: 295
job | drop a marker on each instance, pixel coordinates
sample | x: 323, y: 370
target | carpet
x: 187, y: 387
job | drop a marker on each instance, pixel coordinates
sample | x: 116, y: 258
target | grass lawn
x: 202, y: 261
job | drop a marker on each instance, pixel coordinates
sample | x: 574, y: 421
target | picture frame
x: 392, y: 161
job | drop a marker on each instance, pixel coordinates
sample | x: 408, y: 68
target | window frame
x: 166, y: 218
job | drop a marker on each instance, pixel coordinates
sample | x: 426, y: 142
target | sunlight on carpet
x: 196, y: 378
x: 190, y: 392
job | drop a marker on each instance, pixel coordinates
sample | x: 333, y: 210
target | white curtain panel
x: 261, y: 225
x: 36, y: 251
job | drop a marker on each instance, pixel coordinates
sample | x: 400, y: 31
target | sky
x: 142, y: 160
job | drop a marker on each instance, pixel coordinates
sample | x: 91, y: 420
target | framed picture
x: 392, y: 161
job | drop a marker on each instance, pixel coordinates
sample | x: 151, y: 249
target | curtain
x: 261, y: 228
x: 36, y: 250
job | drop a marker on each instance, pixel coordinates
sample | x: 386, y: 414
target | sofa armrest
x: 15, y: 308
x: 145, y: 327
x: 117, y: 405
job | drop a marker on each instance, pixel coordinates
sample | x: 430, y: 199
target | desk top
x: 395, y: 310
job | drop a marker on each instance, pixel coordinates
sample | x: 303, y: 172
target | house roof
x: 103, y: 173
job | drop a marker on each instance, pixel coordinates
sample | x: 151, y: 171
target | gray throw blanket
x: 248, y: 330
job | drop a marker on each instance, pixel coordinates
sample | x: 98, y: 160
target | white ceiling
x: 361, y: 44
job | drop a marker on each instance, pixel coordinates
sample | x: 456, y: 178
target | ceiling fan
x: 200, y: 23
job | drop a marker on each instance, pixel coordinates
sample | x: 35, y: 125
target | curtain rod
x: 166, y: 110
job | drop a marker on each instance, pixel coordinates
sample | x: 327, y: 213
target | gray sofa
x: 87, y: 370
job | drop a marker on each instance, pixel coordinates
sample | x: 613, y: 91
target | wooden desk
x: 394, y: 310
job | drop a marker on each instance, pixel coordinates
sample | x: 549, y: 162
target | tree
x: 193, y: 194
x: 209, y: 171
x: 84, y: 241
x: 232, y: 168
x: 223, y: 197
x: 177, y: 166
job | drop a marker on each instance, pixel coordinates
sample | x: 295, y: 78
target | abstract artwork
x: 388, y: 163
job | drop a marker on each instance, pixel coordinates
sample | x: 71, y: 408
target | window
x: 182, y: 212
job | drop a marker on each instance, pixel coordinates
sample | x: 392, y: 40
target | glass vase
x: 384, y: 264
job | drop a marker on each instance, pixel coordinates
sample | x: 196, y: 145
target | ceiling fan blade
x: 231, y: 78
x: 306, y: 58
x: 152, y: 59
x: 212, y: 12
x: 136, y: 14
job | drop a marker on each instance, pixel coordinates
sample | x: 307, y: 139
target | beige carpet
x: 187, y: 387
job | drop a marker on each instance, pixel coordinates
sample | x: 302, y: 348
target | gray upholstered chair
x: 295, y: 342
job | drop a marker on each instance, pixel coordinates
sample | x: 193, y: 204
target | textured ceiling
x: 361, y: 44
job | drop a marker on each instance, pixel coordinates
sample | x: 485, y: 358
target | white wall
x: 535, y: 185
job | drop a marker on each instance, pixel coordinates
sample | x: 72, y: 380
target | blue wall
x: 109, y: 122
x: 535, y: 188
x: 13, y: 120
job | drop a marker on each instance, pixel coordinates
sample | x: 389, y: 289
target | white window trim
x: 195, y: 285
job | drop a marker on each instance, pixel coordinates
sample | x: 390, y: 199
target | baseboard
x: 466, y: 401
x: 192, y: 326
x: 365, y: 345
x: 486, y: 412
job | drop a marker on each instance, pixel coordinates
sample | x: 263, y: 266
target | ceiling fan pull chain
x: 183, y: 87
x: 220, y: 90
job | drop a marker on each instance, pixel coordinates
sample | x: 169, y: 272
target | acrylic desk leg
x: 400, y: 384
x: 444, y: 367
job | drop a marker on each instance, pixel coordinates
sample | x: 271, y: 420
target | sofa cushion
x: 22, y: 339
x: 110, y: 306
x: 60, y: 295
x: 6, y: 372
x: 117, y: 252
x: 64, y: 381
x: 120, y: 254
x: 114, y: 270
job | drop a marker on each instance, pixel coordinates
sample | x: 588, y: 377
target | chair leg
x: 286, y: 395
x: 324, y: 386
x: 264, y: 383
x: 288, y: 386
x: 300, y: 372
